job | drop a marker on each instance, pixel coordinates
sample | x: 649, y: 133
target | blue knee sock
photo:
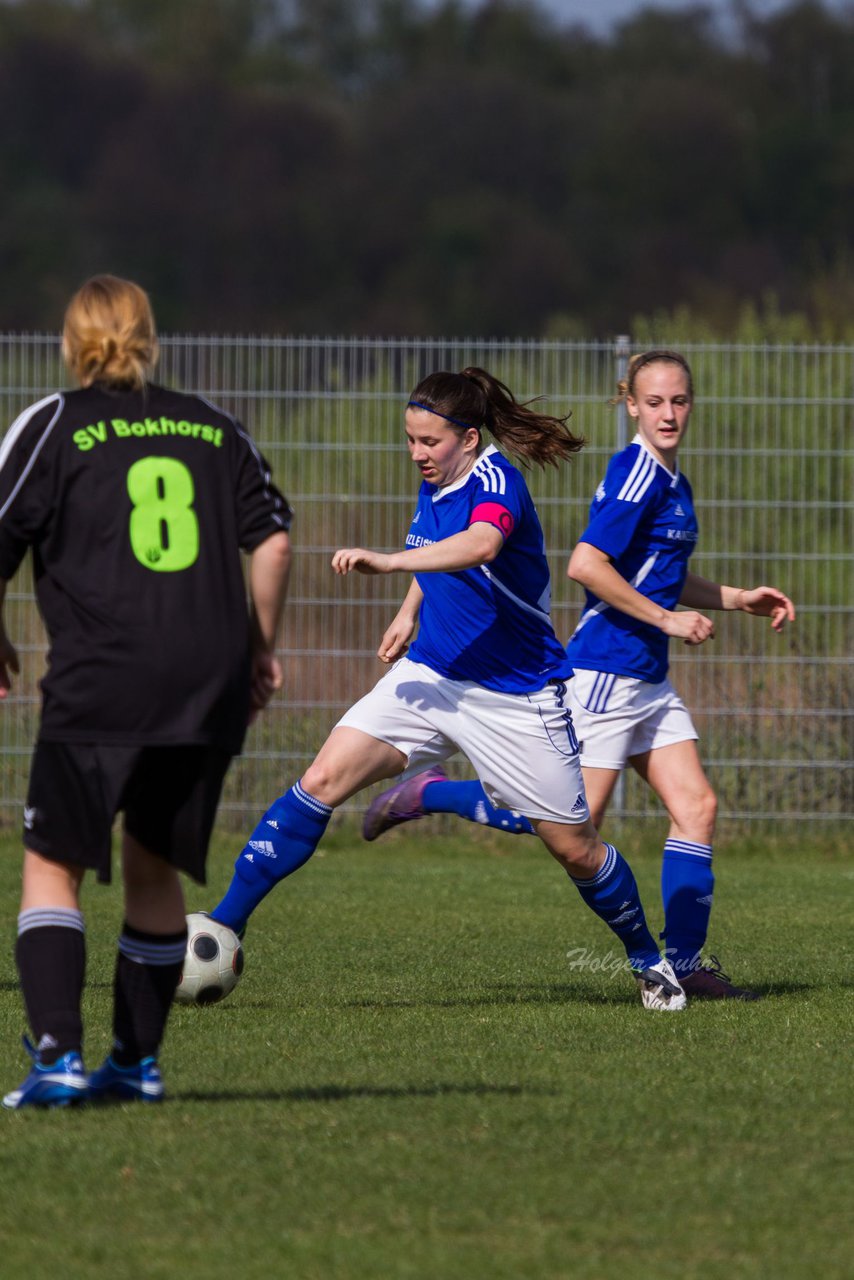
x: 468, y: 800
x: 687, y: 884
x: 284, y: 839
x: 613, y: 895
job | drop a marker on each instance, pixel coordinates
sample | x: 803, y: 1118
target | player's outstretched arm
x: 478, y: 544
x: 766, y: 602
x: 8, y: 652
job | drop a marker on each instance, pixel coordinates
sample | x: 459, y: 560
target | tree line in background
x: 387, y: 166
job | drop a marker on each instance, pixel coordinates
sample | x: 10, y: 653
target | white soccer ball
x: 213, y: 963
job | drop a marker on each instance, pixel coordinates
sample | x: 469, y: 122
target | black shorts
x: 169, y: 796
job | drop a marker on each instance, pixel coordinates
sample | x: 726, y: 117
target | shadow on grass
x: 494, y: 996
x: 771, y: 989
x: 504, y: 994
x: 343, y: 1093
x: 623, y: 993
x: 14, y: 985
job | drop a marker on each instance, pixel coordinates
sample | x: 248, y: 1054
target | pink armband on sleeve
x: 493, y: 513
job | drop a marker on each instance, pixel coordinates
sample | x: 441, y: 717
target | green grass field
x: 413, y: 1080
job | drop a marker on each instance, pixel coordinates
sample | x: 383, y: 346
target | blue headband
x: 467, y: 426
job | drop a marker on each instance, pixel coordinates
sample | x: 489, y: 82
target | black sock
x: 51, y: 956
x: 148, y: 967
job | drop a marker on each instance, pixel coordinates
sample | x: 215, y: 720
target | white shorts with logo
x: 522, y: 745
x: 616, y: 717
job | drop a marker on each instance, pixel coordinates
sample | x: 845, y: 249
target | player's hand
x: 689, y: 626
x: 768, y: 602
x: 395, y: 641
x: 349, y: 559
x: 8, y: 662
x: 266, y: 679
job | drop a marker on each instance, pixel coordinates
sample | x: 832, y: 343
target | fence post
x: 622, y: 350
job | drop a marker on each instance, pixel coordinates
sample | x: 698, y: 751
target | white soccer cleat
x: 660, y: 989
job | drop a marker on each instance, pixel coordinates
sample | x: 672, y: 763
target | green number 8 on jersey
x: 164, y: 530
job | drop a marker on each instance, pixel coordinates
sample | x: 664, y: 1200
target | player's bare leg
x: 46, y: 883
x: 677, y: 777
x: 154, y: 895
x: 349, y: 761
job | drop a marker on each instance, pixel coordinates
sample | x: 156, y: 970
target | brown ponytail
x: 474, y: 398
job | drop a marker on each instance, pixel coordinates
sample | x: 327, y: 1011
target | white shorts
x: 616, y: 717
x: 522, y: 745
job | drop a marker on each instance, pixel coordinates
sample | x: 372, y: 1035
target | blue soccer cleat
x: 61, y: 1084
x: 140, y: 1082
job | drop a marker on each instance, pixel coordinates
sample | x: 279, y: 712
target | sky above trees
x: 601, y: 16
x: 382, y: 166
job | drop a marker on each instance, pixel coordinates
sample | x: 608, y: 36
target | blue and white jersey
x: 642, y: 517
x: 490, y: 624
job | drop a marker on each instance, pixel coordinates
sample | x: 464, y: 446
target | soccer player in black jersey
x: 136, y: 502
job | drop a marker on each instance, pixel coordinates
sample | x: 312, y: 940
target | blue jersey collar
x: 674, y: 475
x: 463, y: 480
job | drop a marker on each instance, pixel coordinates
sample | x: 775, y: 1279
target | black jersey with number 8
x: 137, y: 505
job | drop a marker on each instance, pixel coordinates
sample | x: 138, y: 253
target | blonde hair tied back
x: 662, y: 355
x: 109, y: 334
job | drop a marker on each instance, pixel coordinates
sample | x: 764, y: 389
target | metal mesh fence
x: 770, y: 459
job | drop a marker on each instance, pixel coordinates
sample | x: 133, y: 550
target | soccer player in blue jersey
x: 486, y: 674
x: 632, y: 560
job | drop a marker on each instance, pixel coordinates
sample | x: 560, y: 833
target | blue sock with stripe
x: 613, y: 894
x: 687, y: 885
x: 468, y: 800
x: 284, y: 839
